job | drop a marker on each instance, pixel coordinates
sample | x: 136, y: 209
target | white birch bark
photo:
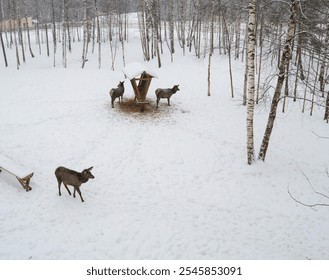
x: 211, y: 47
x: 99, y: 41
x: 54, y: 30
x: 251, y: 80
x: 85, y: 33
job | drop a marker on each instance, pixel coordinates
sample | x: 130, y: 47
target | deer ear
x: 90, y: 168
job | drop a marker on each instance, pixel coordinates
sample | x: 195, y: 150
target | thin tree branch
x: 323, y: 137
x: 301, y: 98
x: 315, y: 191
x: 305, y: 204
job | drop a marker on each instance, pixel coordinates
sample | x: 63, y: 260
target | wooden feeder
x: 140, y: 78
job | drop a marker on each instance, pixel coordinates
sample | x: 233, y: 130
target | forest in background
x: 289, y: 38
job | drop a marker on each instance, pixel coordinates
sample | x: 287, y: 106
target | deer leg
x: 112, y: 102
x: 67, y: 189
x: 168, y: 101
x: 158, y: 99
x: 79, y: 192
x: 59, y: 186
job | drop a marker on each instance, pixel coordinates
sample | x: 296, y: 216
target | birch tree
x: 211, y: 47
x: 36, y: 3
x: 251, y: 80
x: 28, y: 31
x: 85, y: 32
x: 143, y: 30
x: 324, y: 56
x: 171, y: 29
x: 229, y: 49
x: 19, y: 27
x: 156, y: 30
x: 53, y: 24
x: 1, y: 39
x: 99, y: 41
x: 64, y: 31
x: 13, y: 17
x: 285, y: 58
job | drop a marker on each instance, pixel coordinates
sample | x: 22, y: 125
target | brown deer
x: 117, y: 92
x: 72, y: 178
x: 165, y: 93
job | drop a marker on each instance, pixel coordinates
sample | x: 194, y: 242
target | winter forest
x: 292, y: 36
x: 251, y: 116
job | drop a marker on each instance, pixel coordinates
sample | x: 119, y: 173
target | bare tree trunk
x: 67, y: 21
x: 156, y: 24
x: 121, y: 37
x: 307, y: 79
x: 211, y: 47
x: 314, y: 84
x: 237, y: 37
x: 260, y: 57
x: 326, y: 114
x: 3, y: 50
x: 85, y: 33
x: 12, y: 6
x: 143, y: 31
x: 286, y: 89
x: 113, y: 42
x: 20, y: 33
x: 285, y: 58
x: 64, y: 57
x: 300, y: 72
x: 324, y: 59
x: 28, y: 31
x: 181, y: 24
x: 171, y: 28
x: 1, y: 39
x: 245, y: 82
x: 229, y: 56
x: 220, y: 32
x: 251, y: 80
x: 37, y: 25
x: 54, y: 30
x: 99, y: 41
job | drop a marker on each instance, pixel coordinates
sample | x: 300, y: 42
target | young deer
x: 165, y: 93
x: 72, y: 178
x: 117, y: 92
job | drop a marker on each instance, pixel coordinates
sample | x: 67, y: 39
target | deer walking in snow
x: 72, y: 178
x: 165, y: 93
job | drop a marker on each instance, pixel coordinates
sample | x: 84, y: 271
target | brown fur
x: 165, y: 93
x: 72, y: 178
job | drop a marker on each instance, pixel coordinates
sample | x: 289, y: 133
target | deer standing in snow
x: 117, y: 92
x: 165, y: 93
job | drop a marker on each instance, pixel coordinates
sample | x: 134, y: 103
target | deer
x: 165, y: 93
x: 117, y: 92
x: 72, y: 178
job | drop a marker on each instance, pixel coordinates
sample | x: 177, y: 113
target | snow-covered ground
x: 171, y: 183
